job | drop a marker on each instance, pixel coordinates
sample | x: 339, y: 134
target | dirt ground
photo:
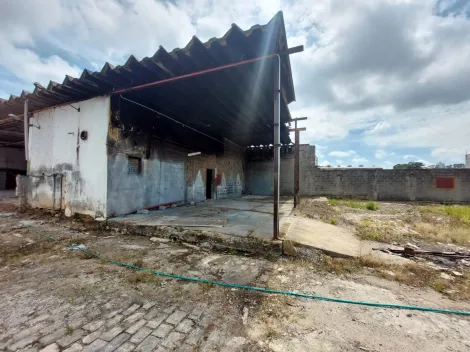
x: 54, y: 296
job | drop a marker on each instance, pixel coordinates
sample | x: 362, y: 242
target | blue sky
x: 382, y: 81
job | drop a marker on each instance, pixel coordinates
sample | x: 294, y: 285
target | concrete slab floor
x: 242, y: 216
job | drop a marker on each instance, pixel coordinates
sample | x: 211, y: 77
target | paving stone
x: 131, y: 309
x: 76, y: 347
x: 131, y: 330
x: 77, y: 320
x: 28, y: 340
x: 113, y: 321
x: 173, y: 340
x: 195, y: 336
x: 40, y: 318
x: 148, y: 305
x: 148, y: 344
x: 153, y: 313
x: 140, y: 335
x: 27, y: 332
x: 111, y: 334
x: 162, y: 330
x: 51, y: 328
x: 196, y: 314
x: 116, y: 342
x: 126, y: 347
x: 176, y: 317
x: 132, y: 319
x: 51, y: 348
x: 155, y: 322
x: 67, y: 340
x: 185, y: 348
x: 92, y: 337
x: 185, y: 326
x: 169, y: 309
x: 113, y: 314
x: 94, y: 325
x: 94, y: 313
x: 53, y: 337
x: 96, y: 346
x: 161, y: 349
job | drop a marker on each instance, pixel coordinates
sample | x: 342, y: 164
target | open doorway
x: 209, y: 178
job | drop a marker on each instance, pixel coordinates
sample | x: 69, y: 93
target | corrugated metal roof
x: 236, y: 45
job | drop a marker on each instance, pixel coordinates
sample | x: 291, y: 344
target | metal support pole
x: 296, y: 167
x: 26, y: 130
x: 276, y: 146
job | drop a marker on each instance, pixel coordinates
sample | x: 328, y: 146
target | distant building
x: 440, y: 165
x: 467, y: 161
x: 459, y: 166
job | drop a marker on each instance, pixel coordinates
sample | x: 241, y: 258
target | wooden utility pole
x: 297, y: 159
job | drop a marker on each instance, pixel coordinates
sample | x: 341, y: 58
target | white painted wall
x: 56, y: 148
x: 12, y: 158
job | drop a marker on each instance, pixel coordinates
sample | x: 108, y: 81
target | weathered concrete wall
x: 374, y: 184
x: 66, y: 172
x: 167, y: 175
x: 260, y: 174
x: 407, y: 185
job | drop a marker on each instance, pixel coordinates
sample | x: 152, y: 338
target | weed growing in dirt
x: 69, y: 330
x: 334, y: 202
x: 333, y: 221
x: 411, y: 274
x: 372, y: 206
x: 142, y: 277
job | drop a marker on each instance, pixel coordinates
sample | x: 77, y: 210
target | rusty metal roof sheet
x: 236, y: 45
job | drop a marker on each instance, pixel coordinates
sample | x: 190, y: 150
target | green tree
x: 410, y: 165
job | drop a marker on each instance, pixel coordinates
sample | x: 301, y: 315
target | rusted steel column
x: 276, y: 146
x: 296, y: 167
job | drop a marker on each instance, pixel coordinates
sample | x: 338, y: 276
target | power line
x: 178, y: 122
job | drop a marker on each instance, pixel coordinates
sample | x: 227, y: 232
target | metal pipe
x: 171, y: 79
x: 296, y: 167
x: 276, y: 145
x: 26, y: 130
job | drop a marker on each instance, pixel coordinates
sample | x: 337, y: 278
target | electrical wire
x: 176, y: 121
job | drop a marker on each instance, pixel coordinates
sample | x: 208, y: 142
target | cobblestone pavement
x: 56, y: 299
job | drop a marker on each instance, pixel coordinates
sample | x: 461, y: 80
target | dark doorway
x: 209, y: 178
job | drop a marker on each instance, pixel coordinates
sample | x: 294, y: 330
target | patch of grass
x: 233, y: 251
x: 333, y: 221
x: 139, y: 262
x: 354, y: 204
x: 69, y: 330
x: 411, y: 274
x: 334, y: 202
x: 458, y: 212
x: 142, y: 277
x: 443, y: 232
x: 372, y: 206
x: 381, y: 232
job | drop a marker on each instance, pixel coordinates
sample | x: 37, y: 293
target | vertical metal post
x: 296, y: 167
x: 26, y: 130
x: 276, y: 147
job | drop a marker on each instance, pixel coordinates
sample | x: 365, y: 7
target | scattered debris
x: 143, y: 211
x: 160, y: 240
x: 245, y: 315
x: 288, y: 248
x: 79, y: 246
x: 456, y: 273
x: 446, y: 276
x: 190, y: 246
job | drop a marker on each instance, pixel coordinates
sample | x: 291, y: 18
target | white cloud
x: 380, y: 127
x: 410, y: 157
x: 341, y: 154
x: 455, y: 155
x: 380, y: 154
x: 385, y: 67
x: 359, y: 160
